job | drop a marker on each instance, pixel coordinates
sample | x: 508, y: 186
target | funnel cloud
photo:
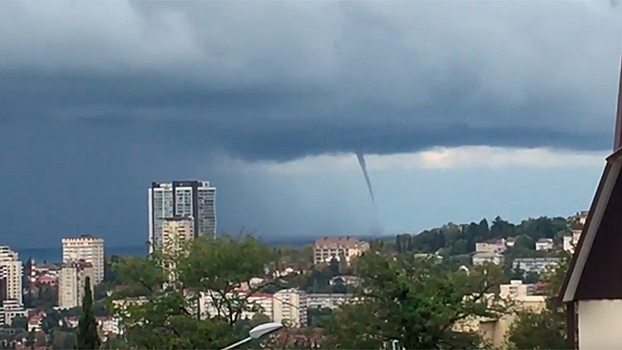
x: 361, y: 158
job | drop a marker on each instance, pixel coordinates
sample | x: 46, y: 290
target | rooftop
x: 347, y: 241
x: 82, y: 237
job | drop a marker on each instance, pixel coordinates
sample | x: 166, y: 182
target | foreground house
x: 592, y: 289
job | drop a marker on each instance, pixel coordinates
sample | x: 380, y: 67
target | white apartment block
x: 10, y: 275
x: 497, y: 246
x: 329, y: 248
x: 87, y: 248
x: 570, y: 242
x: 175, y: 231
x: 11, y: 309
x: 537, y: 265
x: 71, y: 282
x: 487, y: 257
x: 516, y: 289
x: 290, y: 305
x: 263, y: 303
x: 544, y: 244
x: 260, y: 303
x: 193, y: 199
x: 328, y: 301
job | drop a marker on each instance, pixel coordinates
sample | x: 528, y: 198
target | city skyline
x: 489, y: 109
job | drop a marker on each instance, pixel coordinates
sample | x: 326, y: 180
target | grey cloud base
x: 284, y: 80
x: 97, y: 99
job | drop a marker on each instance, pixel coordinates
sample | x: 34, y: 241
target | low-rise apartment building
x: 482, y: 258
x: 495, y: 245
x: 11, y: 309
x: 328, y: 301
x: 516, y: 289
x: 544, y: 244
x: 328, y: 248
x: 537, y: 265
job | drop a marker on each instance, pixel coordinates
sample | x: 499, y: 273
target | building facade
x: 496, y: 245
x: 71, y: 282
x: 537, y: 265
x: 87, y: 248
x: 11, y: 309
x: 290, y: 305
x: 328, y: 301
x: 328, y: 248
x: 177, y: 230
x: 482, y: 258
x: 570, y: 242
x: 515, y: 289
x: 544, y: 244
x: 10, y: 275
x: 191, y: 199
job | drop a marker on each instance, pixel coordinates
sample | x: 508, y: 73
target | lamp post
x: 256, y: 333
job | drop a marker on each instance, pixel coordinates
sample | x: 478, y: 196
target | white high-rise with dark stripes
x: 189, y: 199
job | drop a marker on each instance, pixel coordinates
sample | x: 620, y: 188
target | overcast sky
x: 464, y: 109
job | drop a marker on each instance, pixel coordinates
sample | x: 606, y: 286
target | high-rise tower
x: 190, y: 199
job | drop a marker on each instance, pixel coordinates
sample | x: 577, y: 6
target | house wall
x: 599, y: 324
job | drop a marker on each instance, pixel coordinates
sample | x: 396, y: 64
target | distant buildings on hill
x: 493, y: 250
x: 328, y: 248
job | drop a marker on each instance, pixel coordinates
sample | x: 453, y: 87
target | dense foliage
x: 416, y: 302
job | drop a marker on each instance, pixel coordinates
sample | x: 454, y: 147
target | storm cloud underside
x: 94, y: 107
x: 284, y: 80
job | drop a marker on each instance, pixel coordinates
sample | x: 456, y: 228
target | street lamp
x: 256, y: 333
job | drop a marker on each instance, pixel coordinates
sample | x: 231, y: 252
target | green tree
x: 415, y: 302
x: 20, y: 322
x: 168, y: 314
x: 333, y: 267
x: 45, y: 298
x: 40, y: 339
x: 501, y: 228
x: 87, y: 326
x: 460, y: 247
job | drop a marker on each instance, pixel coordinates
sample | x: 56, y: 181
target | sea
x: 54, y: 254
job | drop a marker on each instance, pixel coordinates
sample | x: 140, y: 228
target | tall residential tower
x: 179, y: 199
x: 87, y: 248
x: 10, y: 275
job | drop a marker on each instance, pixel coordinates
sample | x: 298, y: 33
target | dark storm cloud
x: 98, y: 99
x: 283, y: 80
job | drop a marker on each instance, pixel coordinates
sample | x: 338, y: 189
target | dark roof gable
x: 594, y: 268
